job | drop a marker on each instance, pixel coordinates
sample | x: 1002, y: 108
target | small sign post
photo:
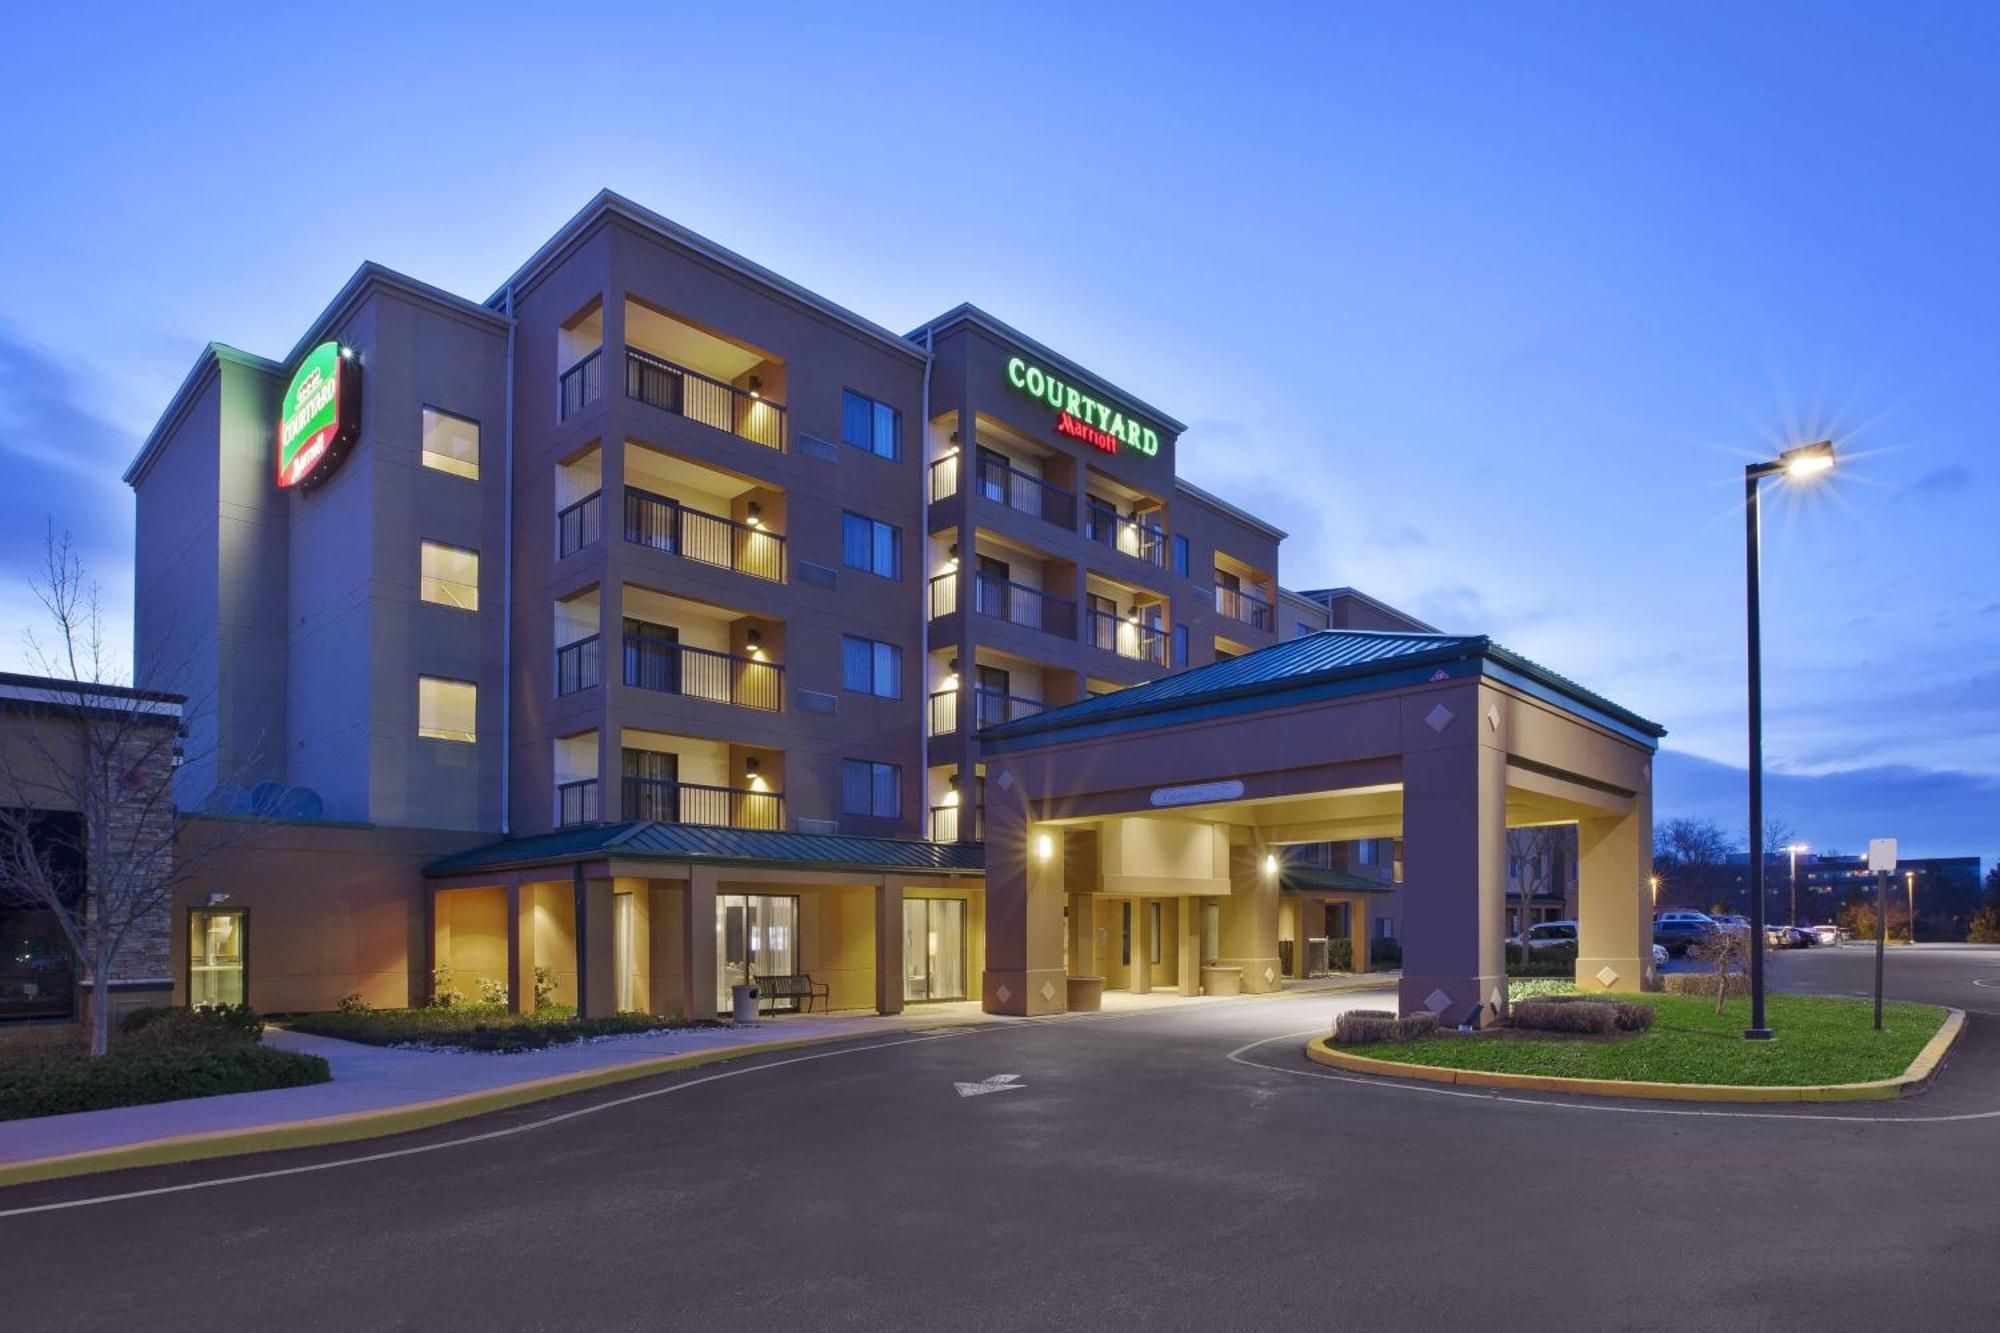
x: 1881, y: 860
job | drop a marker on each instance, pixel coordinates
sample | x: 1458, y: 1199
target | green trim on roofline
x: 651, y: 840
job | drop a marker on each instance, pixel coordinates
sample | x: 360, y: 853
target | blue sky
x: 1485, y: 304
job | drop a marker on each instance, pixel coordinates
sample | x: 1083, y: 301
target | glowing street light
x: 1795, y: 849
x: 1806, y: 461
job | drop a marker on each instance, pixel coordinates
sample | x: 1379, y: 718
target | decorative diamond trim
x: 1269, y: 976
x: 1048, y: 991
x: 1439, y: 718
x: 1495, y: 998
x: 1003, y: 994
x: 1606, y: 976
x: 1007, y: 780
x: 1493, y: 717
x: 1436, y: 1001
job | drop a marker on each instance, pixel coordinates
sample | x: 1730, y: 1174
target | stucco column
x: 1454, y: 876
x: 1082, y: 935
x: 1187, y: 919
x: 698, y: 943
x: 889, y: 946
x: 1250, y: 916
x: 1139, y: 980
x: 1357, y: 934
x: 521, y: 957
x: 1614, y: 934
x: 596, y: 959
x: 1024, y: 895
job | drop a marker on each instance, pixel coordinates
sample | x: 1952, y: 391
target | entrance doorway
x: 216, y: 957
x: 933, y: 948
x: 756, y: 935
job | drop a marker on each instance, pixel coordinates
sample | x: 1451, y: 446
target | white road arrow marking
x: 998, y: 1083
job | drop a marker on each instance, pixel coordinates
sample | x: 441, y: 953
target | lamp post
x: 1796, y: 464
x: 1795, y: 849
x: 1910, y: 878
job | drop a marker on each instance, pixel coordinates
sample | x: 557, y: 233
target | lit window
x: 451, y: 444
x: 215, y: 958
x: 449, y: 576
x: 446, y: 709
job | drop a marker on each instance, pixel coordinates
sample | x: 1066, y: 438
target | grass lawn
x: 477, y: 1027
x: 1820, y: 1040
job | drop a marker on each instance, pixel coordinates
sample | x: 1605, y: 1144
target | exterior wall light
x: 1270, y: 863
x: 1045, y: 846
x: 756, y: 387
x: 755, y: 514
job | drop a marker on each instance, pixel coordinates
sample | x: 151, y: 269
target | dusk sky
x: 1485, y: 305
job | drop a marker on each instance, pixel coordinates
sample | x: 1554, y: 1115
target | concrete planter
x: 1086, y: 994
x: 1222, y: 981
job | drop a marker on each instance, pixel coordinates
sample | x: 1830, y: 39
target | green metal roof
x: 650, y: 839
x: 1324, y: 879
x: 1326, y: 664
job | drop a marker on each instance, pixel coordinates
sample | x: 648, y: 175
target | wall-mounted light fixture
x: 754, y: 513
x: 756, y: 387
x: 1045, y: 846
x: 1270, y: 863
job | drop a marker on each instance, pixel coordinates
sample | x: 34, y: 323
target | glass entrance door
x: 756, y: 935
x: 933, y: 948
x: 215, y: 957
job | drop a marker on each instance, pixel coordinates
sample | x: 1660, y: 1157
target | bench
x: 799, y: 988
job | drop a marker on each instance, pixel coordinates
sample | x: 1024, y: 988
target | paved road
x: 1183, y: 1169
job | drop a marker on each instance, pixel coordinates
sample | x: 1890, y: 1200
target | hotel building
x: 641, y: 625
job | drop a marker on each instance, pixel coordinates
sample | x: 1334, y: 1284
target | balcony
x: 1128, y: 638
x: 990, y: 708
x: 998, y: 480
x: 579, y: 666
x: 1244, y: 605
x: 581, y: 385
x: 580, y: 525
x: 693, y: 534
x: 653, y: 662
x: 944, y: 820
x: 942, y: 713
x: 1107, y: 527
x: 576, y: 803
x: 695, y: 803
x: 687, y: 392
x: 1019, y: 604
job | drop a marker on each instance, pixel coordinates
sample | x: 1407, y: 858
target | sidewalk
x: 377, y: 1079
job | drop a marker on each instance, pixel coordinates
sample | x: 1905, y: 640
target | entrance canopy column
x: 1613, y: 918
x: 1454, y: 880
x: 698, y: 943
x: 1024, y: 901
x: 889, y: 946
x: 1250, y: 913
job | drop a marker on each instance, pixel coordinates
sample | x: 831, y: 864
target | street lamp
x: 1795, y: 849
x: 1910, y: 879
x: 1796, y: 464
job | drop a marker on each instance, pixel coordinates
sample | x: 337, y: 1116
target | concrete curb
x: 353, y: 1125
x: 1914, y: 1079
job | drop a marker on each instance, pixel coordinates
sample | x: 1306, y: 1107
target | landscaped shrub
x: 1626, y: 1015
x: 1703, y: 983
x: 161, y: 1027
x: 1538, y: 966
x: 352, y: 1003
x: 1385, y: 951
x: 134, y: 1077
x: 477, y: 1027
x: 1564, y: 1015
x: 1359, y: 1026
x: 1340, y: 955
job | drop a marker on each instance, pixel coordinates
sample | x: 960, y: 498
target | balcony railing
x: 1239, y: 604
x: 701, y: 673
x: 1019, y: 604
x: 576, y: 802
x: 1006, y: 484
x: 943, y: 713
x: 944, y: 478
x: 579, y: 666
x: 943, y: 594
x: 1128, y: 638
x: 695, y: 803
x: 1107, y: 527
x: 580, y: 525
x: 686, y: 392
x: 581, y: 385
x: 990, y: 708
x: 945, y: 821
x: 668, y: 525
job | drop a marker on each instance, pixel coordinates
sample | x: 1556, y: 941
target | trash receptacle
x: 744, y: 999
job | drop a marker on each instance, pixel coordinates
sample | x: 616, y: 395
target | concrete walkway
x: 378, y: 1078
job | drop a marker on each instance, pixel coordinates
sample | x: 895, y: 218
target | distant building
x: 1945, y: 888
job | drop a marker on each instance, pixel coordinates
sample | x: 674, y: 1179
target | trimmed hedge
x: 126, y: 1077
x: 1359, y: 1026
x: 1385, y: 951
x: 220, y: 1025
x: 1576, y: 1013
x: 477, y: 1027
x: 1340, y: 955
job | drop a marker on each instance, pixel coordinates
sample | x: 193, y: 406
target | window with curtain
x: 868, y: 666
x: 871, y: 425
x: 871, y: 546
x: 870, y: 788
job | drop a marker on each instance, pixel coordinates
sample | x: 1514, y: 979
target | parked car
x: 1659, y: 955
x: 1731, y: 921
x: 1778, y: 937
x: 1826, y: 933
x: 1547, y: 934
x: 1679, y: 931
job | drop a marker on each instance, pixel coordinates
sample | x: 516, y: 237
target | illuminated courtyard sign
x: 1082, y: 417
x: 320, y: 416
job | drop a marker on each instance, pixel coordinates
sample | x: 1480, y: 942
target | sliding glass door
x: 756, y: 935
x: 933, y: 949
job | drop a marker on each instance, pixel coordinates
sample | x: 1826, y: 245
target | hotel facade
x: 656, y: 624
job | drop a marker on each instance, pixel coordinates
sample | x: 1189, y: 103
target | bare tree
x: 87, y: 820
x: 1692, y: 859
x: 1534, y: 851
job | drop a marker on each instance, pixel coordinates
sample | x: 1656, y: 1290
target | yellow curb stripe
x: 1921, y: 1071
x: 350, y: 1126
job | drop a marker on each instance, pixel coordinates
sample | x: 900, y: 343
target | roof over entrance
x: 1325, y: 665
x: 1324, y: 879
x: 649, y: 839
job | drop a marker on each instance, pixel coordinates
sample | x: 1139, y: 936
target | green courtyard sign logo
x: 1082, y: 417
x: 320, y: 417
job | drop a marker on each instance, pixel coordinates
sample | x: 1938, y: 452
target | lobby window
x: 1155, y: 931
x: 871, y: 546
x: 451, y: 444
x: 446, y: 709
x: 868, y: 666
x: 1181, y: 556
x: 867, y: 424
x: 448, y: 576
x: 215, y: 957
x: 871, y: 788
